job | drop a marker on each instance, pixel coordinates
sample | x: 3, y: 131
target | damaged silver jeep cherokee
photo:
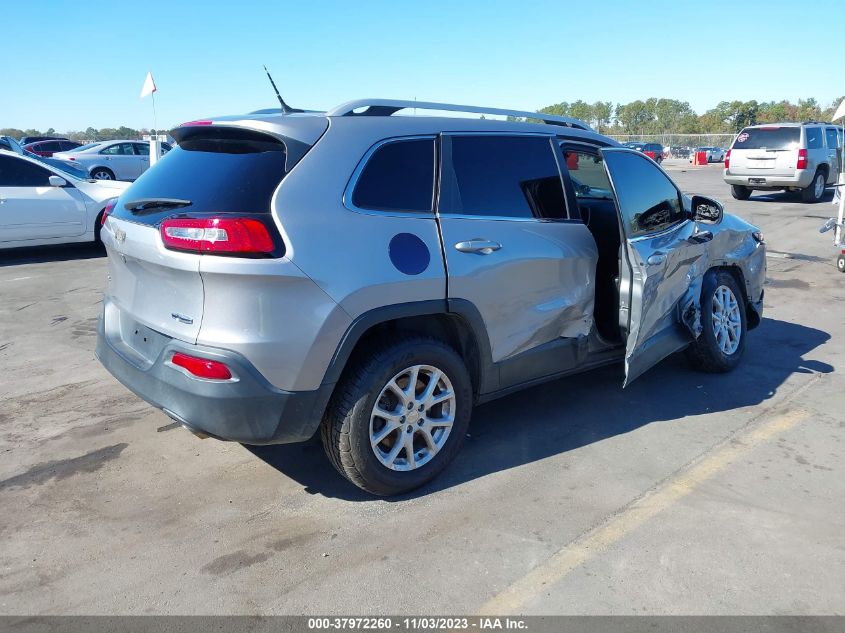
x: 375, y: 276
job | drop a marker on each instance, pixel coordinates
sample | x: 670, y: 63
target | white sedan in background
x: 41, y: 203
x: 112, y: 160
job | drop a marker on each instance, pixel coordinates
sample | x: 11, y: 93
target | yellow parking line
x: 576, y: 553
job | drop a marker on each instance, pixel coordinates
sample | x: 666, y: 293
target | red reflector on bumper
x: 201, y: 367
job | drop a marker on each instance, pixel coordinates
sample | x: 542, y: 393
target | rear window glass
x: 507, y: 176
x: 221, y: 175
x: 399, y: 176
x: 768, y: 138
x: 814, y: 138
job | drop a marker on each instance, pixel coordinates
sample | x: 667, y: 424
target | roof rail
x: 387, y: 107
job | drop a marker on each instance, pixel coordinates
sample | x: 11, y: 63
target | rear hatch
x: 216, y: 173
x: 766, y: 151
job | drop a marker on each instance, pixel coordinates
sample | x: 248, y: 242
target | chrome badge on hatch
x: 120, y: 235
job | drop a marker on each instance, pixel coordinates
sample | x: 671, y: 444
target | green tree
x: 602, y: 114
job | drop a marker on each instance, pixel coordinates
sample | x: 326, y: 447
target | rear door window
x: 399, y: 176
x: 832, y: 138
x: 814, y: 138
x: 503, y: 176
x: 768, y: 138
x: 120, y: 149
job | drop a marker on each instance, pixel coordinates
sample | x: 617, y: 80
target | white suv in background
x: 801, y: 157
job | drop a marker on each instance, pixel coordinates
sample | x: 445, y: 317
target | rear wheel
x: 840, y: 263
x: 399, y: 415
x: 815, y: 191
x: 721, y: 344
x: 741, y: 192
x: 102, y: 173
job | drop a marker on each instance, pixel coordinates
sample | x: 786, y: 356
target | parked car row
x: 655, y: 150
x: 713, y: 154
x: 103, y: 160
x: 112, y: 160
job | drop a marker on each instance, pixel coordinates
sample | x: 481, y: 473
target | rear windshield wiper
x: 148, y: 204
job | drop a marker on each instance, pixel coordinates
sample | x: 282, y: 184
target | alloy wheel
x: 727, y: 322
x: 818, y: 186
x: 412, y: 418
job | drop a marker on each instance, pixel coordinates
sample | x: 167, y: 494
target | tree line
x: 652, y: 116
x: 89, y: 134
x: 670, y: 116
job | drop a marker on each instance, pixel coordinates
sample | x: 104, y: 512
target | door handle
x: 657, y: 258
x: 479, y: 246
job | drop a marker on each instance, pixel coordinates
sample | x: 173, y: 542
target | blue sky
x: 73, y: 64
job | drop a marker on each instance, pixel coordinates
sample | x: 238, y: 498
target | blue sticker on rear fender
x: 409, y: 254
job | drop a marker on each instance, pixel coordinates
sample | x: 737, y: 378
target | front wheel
x: 399, y: 415
x: 721, y: 344
x: 740, y: 192
x: 840, y: 263
x: 815, y: 191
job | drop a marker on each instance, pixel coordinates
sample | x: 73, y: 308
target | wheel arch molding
x: 457, y: 321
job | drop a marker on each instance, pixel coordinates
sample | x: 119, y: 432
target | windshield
x: 54, y: 163
x: 82, y: 147
x: 768, y: 138
x: 8, y: 143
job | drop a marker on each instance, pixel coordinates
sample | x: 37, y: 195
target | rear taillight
x: 71, y: 158
x: 107, y: 211
x: 201, y: 367
x: 802, y: 159
x: 728, y: 159
x: 244, y: 236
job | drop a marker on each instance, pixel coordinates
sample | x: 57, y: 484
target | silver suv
x: 374, y: 276
x: 801, y: 157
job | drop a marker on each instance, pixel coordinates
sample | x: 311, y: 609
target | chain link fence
x: 679, y: 145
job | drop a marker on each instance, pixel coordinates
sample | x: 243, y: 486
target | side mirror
x: 706, y: 210
x: 57, y: 181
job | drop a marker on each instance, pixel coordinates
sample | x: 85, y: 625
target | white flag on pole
x: 149, y: 86
x: 840, y: 111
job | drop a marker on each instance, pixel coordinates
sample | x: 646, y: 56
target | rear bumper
x: 246, y: 409
x: 801, y: 179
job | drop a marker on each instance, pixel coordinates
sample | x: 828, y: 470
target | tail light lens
x: 241, y: 236
x: 107, y: 211
x: 802, y: 159
x: 728, y: 159
x: 201, y: 367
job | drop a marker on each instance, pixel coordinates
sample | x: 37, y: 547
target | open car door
x: 662, y: 259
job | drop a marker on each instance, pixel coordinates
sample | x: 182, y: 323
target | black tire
x: 706, y: 354
x: 98, y: 226
x: 814, y: 193
x: 840, y: 263
x: 102, y: 173
x: 741, y: 192
x: 345, y: 429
